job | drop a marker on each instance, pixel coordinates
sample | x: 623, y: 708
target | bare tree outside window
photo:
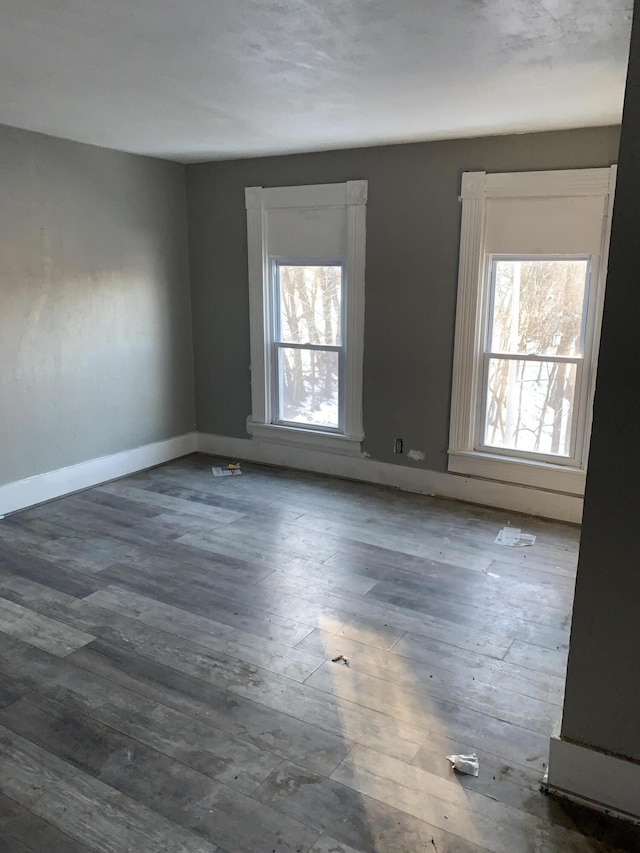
x: 534, y: 351
x: 309, y: 343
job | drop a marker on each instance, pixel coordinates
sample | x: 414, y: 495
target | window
x: 531, y: 284
x: 308, y: 342
x: 306, y: 280
x: 534, y: 355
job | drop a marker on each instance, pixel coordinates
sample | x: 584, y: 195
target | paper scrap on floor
x: 514, y: 537
x: 229, y: 471
x: 468, y: 764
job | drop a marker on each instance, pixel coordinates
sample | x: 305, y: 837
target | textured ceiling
x: 202, y: 79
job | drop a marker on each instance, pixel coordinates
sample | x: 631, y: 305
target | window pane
x: 308, y: 381
x: 538, y: 306
x: 530, y: 405
x: 310, y: 304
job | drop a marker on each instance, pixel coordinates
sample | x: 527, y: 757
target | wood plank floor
x: 167, y: 680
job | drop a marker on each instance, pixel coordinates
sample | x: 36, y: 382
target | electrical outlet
x: 398, y: 446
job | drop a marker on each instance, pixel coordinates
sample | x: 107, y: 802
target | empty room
x: 318, y: 407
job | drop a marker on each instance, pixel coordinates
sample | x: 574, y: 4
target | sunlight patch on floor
x: 442, y: 803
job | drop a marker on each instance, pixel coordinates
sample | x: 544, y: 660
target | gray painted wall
x: 95, y: 328
x: 413, y: 235
x: 602, y: 698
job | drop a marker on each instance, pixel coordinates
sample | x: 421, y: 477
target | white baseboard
x: 603, y: 782
x: 554, y: 505
x: 53, y: 484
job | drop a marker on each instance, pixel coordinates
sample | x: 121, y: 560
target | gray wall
x: 602, y: 699
x: 413, y: 235
x: 95, y: 329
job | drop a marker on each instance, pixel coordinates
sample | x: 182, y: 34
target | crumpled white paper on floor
x: 514, y: 537
x: 231, y: 471
x: 468, y: 764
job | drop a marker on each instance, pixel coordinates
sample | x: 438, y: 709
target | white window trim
x: 353, y: 196
x: 477, y: 187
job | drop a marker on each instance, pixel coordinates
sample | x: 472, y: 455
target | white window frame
x: 263, y: 424
x: 466, y: 454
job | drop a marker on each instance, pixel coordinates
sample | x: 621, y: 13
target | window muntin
x: 308, y: 341
x: 533, y: 358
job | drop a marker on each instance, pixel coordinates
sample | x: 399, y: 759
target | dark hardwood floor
x: 167, y: 680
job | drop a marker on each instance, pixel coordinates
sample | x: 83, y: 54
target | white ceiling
x: 201, y: 79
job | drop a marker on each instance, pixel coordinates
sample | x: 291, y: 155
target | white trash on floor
x: 514, y: 537
x: 231, y: 470
x: 467, y: 764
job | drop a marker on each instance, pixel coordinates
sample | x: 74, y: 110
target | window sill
x: 523, y: 472
x: 304, y: 438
